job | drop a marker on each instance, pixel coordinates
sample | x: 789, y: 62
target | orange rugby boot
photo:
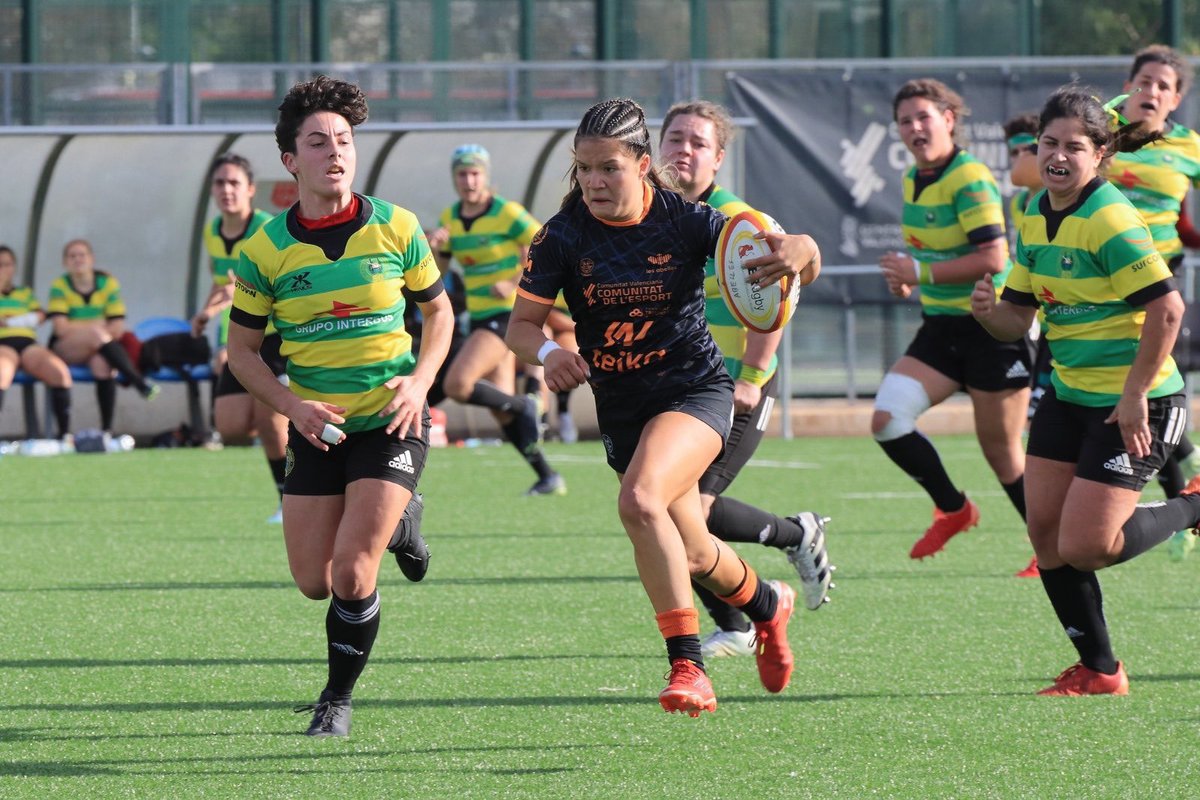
x: 1077, y: 680
x: 945, y: 526
x: 771, y: 648
x: 1031, y: 571
x: 688, y: 689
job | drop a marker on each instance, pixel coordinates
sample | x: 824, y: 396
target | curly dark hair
x: 322, y: 93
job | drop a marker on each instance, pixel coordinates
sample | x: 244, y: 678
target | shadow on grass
x: 637, y: 698
x: 175, y: 586
x: 123, y: 766
x: 106, y: 663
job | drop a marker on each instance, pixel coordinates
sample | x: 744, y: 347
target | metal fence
x: 63, y: 95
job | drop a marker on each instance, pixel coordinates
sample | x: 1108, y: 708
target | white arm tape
x: 331, y: 434
x: 546, y: 349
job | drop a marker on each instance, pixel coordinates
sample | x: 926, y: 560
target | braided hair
x: 621, y: 120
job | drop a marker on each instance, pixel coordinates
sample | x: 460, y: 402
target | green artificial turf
x: 153, y: 646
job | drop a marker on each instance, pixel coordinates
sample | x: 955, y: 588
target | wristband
x: 753, y: 375
x: 546, y: 349
x: 331, y: 434
x: 924, y: 273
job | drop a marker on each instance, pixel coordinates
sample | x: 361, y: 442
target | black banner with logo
x: 825, y: 157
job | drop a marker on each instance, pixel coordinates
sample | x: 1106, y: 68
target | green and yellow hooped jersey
x: 1017, y: 205
x: 335, y: 297
x: 729, y: 334
x: 949, y: 212
x: 223, y: 254
x: 15, y: 302
x: 1156, y: 178
x: 1091, y: 267
x: 223, y: 259
x: 102, y: 303
x: 489, y: 250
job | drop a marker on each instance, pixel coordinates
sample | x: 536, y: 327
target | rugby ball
x: 761, y: 309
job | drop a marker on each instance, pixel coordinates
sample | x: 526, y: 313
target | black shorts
x: 622, y: 418
x: 368, y: 454
x: 18, y: 343
x: 228, y: 382
x: 960, y: 349
x: 744, y: 436
x: 1063, y: 431
x: 497, y: 324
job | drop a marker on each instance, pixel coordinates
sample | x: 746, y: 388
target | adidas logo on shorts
x: 1017, y: 370
x: 1119, y: 464
x: 402, y: 462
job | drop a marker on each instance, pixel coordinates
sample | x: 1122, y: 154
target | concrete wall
x: 141, y: 199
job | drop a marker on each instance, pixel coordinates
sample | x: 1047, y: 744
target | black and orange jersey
x: 636, y: 291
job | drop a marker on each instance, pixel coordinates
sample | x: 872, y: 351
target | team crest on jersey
x: 929, y: 217
x: 300, y: 283
x: 539, y: 236
x: 372, y: 270
x: 1067, y: 262
x: 1167, y: 158
x: 586, y: 266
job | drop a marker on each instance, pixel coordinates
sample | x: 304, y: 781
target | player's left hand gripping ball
x: 762, y: 309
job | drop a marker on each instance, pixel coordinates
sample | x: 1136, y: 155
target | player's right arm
x: 526, y: 336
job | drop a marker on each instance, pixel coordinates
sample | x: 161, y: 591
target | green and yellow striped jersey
x: 1156, y: 178
x: 223, y: 259
x: 729, y: 334
x: 102, y: 303
x: 1091, y: 267
x: 222, y: 253
x: 15, y: 302
x: 948, y: 212
x: 488, y: 248
x: 335, y: 297
x: 1017, y: 205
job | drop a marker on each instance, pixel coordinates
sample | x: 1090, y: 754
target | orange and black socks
x: 680, y: 628
x: 726, y: 616
x: 754, y: 597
